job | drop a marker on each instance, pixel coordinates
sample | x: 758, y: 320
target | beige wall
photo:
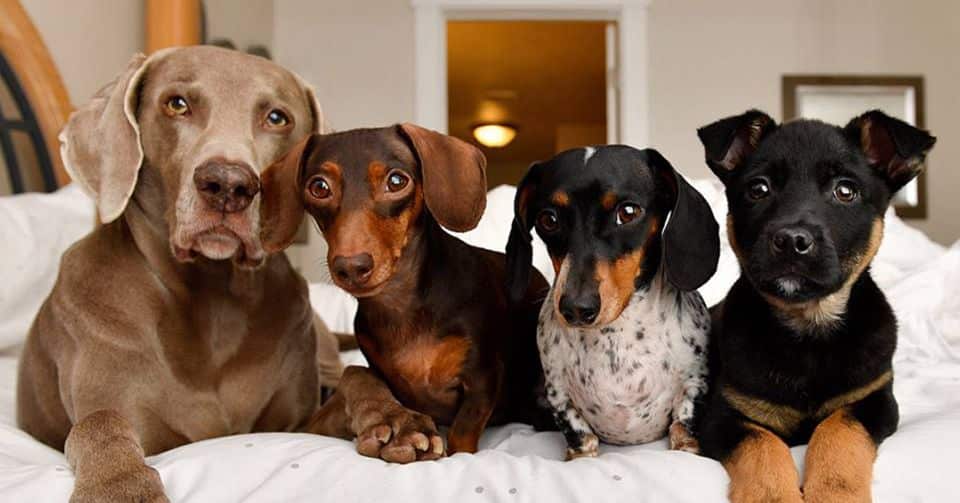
x: 90, y: 40
x: 244, y: 22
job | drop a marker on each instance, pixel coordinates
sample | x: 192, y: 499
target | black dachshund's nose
x: 580, y: 310
x: 792, y: 240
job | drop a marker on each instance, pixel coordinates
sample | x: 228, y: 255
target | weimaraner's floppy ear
x: 691, y: 238
x: 281, y: 209
x: 100, y: 145
x: 895, y: 149
x: 454, y: 177
x: 319, y: 121
x: 729, y: 141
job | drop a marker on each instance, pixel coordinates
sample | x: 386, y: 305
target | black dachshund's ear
x: 893, y: 147
x: 729, y: 141
x: 519, y: 245
x: 691, y: 238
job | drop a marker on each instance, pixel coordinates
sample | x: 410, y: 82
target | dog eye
x: 177, y: 106
x: 627, y: 213
x: 277, y: 119
x: 396, y: 181
x: 758, y: 189
x: 319, y: 188
x: 845, y: 192
x: 547, y: 221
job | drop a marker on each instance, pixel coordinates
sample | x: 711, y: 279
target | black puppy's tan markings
x: 623, y: 333
x: 802, y: 346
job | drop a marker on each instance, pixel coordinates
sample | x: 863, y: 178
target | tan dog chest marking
x: 432, y: 362
x: 839, y: 461
x: 761, y: 469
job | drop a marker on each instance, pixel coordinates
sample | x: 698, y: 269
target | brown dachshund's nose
x: 226, y: 187
x: 354, y: 270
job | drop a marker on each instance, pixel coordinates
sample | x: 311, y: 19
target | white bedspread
x: 918, y: 463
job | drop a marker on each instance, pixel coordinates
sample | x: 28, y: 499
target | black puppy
x: 803, y: 342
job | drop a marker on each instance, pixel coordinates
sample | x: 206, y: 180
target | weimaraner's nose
x: 226, y: 187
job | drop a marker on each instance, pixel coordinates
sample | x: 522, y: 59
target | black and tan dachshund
x: 802, y: 346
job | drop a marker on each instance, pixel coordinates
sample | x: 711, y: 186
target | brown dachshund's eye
x: 176, y: 106
x: 845, y: 191
x: 277, y: 119
x: 628, y: 212
x: 319, y: 188
x: 758, y: 189
x: 548, y: 221
x: 396, y: 181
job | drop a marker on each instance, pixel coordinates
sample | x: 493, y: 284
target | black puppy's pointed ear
x: 892, y: 147
x: 519, y: 245
x: 691, y: 238
x: 729, y: 141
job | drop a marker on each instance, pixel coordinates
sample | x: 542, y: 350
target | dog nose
x: 795, y: 239
x: 354, y: 270
x: 226, y: 187
x: 580, y: 310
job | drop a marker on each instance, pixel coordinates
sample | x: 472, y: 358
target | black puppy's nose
x: 794, y: 239
x: 354, y: 270
x: 580, y: 310
x: 226, y: 187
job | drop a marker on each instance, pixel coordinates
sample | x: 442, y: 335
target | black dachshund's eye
x: 758, y: 189
x: 319, y: 188
x: 628, y: 212
x: 845, y: 191
x: 547, y: 221
x: 396, y: 181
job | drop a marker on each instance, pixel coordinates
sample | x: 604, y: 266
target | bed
x: 516, y: 464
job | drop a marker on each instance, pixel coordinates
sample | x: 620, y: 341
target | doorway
x: 545, y: 85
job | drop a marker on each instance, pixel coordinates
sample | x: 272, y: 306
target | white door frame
x: 430, y: 65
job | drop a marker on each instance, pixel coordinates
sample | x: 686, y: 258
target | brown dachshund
x: 443, y: 342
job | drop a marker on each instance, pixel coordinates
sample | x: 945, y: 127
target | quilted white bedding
x: 918, y: 463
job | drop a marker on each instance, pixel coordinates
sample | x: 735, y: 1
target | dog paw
x: 588, y: 448
x: 682, y: 440
x: 836, y: 491
x: 400, y: 435
x: 141, y: 485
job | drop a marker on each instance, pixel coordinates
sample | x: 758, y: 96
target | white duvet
x: 918, y: 463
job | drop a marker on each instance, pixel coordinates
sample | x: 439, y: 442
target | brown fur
x: 761, y: 470
x: 839, y: 461
x: 560, y: 198
x: 617, y: 279
x: 608, y: 200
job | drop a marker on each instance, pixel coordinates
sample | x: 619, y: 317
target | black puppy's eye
x: 628, y: 212
x: 396, y: 181
x: 319, y: 188
x: 176, y: 106
x: 758, y: 189
x: 547, y: 221
x: 845, y: 192
x: 277, y: 119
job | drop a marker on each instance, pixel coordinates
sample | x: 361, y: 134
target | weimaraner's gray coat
x: 168, y: 323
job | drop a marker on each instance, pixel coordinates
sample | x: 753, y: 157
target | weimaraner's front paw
x: 139, y: 485
x: 399, y: 435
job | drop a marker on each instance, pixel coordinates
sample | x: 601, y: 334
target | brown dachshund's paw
x: 589, y: 448
x: 141, y: 484
x: 682, y: 440
x: 400, y: 435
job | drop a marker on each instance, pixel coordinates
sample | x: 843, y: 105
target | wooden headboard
x: 34, y: 106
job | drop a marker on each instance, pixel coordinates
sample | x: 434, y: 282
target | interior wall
x: 91, y: 41
x: 244, y: 22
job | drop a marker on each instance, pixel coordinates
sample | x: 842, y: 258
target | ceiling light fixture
x: 494, y: 135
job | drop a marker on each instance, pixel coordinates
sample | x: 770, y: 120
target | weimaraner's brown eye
x: 396, y: 181
x: 177, y: 106
x: 319, y: 188
x: 628, y: 212
x: 277, y: 119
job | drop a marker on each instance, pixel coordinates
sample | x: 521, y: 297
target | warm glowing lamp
x: 494, y: 135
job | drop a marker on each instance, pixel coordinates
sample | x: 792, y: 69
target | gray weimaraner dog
x: 168, y: 323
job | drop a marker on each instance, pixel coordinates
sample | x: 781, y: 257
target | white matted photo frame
x: 837, y: 98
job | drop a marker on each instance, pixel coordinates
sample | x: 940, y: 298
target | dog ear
x: 316, y: 112
x: 281, y: 206
x: 691, y: 237
x: 519, y: 246
x: 892, y: 147
x: 100, y: 144
x: 454, y: 177
x: 729, y: 141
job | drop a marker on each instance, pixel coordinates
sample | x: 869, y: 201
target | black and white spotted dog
x: 623, y: 332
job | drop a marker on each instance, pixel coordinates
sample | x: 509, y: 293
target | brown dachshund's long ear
x: 894, y: 148
x: 691, y: 238
x: 519, y: 244
x: 281, y: 209
x: 100, y: 144
x: 729, y: 141
x: 454, y: 177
